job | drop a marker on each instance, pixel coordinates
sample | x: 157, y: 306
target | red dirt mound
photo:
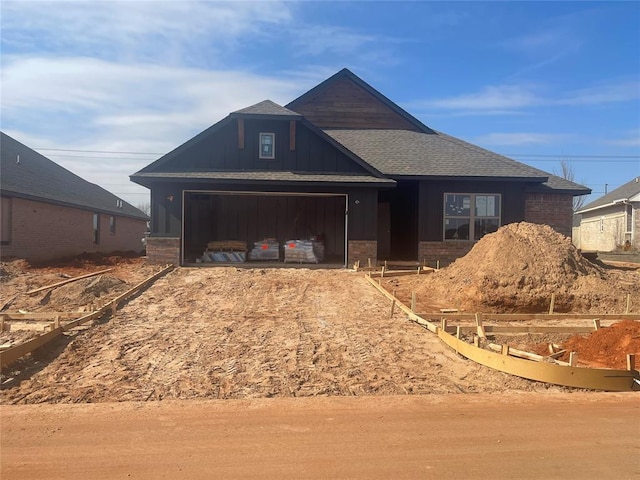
x: 607, y: 347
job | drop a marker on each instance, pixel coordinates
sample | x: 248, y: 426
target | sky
x: 106, y: 87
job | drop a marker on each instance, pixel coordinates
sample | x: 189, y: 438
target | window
x: 470, y: 216
x: 5, y: 220
x: 112, y: 225
x: 267, y: 145
x: 96, y: 228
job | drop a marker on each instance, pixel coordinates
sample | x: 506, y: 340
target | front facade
x: 48, y: 212
x: 611, y: 222
x: 344, y: 167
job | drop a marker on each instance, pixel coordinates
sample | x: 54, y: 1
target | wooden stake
x: 419, y: 268
x: 458, y: 332
x: 596, y: 324
x: 505, y: 349
x: 631, y: 361
x: 628, y: 309
x: 413, y: 302
x: 369, y: 262
x: 573, y: 359
x: 443, y: 324
x: 476, y: 341
x: 553, y: 302
x: 383, y: 269
x: 56, y: 322
x: 437, y: 264
x: 393, y: 307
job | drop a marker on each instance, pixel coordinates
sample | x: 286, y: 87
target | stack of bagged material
x: 224, y: 251
x: 267, y: 249
x: 224, y: 257
x: 303, y: 251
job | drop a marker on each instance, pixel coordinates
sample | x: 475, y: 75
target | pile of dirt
x: 606, y: 347
x: 519, y: 267
x: 85, y: 291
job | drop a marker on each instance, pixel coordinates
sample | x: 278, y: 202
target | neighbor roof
x: 630, y: 191
x: 27, y: 174
x: 415, y: 154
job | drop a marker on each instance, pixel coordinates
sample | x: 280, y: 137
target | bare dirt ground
x: 383, y: 397
x: 481, y: 436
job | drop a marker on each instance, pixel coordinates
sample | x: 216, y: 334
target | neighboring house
x: 49, y: 212
x: 611, y: 222
x: 344, y: 164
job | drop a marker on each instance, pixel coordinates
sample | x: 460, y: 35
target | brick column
x: 163, y: 250
x: 362, y: 250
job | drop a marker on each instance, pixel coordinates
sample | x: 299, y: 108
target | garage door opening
x: 265, y: 227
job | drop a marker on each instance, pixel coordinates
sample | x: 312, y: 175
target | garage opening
x: 265, y: 227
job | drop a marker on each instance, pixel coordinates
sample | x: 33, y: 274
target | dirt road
x: 515, y: 435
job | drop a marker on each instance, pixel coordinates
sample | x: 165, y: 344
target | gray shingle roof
x: 269, y: 176
x: 407, y: 153
x: 266, y: 108
x: 624, y: 192
x: 38, y: 178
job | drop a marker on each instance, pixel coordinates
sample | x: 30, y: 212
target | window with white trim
x: 470, y: 216
x: 267, y: 145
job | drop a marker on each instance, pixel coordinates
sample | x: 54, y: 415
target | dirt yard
x: 383, y: 397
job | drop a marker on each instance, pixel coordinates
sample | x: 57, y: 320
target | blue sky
x: 538, y: 81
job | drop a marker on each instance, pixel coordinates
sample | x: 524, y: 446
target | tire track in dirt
x: 242, y: 333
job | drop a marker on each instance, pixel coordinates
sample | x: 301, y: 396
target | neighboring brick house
x: 343, y: 163
x: 48, y: 212
x: 612, y: 222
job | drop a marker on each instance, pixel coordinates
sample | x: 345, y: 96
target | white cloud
x: 511, y: 99
x: 500, y: 97
x: 135, y: 28
x: 523, y: 138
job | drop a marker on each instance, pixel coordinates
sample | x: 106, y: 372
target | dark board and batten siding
x: 431, y: 202
x: 220, y: 151
x: 347, y: 105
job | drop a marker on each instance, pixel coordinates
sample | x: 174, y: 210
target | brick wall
x: 362, y: 250
x: 444, y: 252
x: 555, y: 210
x: 42, y: 231
x: 163, y: 250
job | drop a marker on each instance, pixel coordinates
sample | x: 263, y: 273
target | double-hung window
x: 470, y: 216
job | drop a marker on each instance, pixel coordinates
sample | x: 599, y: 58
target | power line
x: 569, y: 156
x: 97, y: 151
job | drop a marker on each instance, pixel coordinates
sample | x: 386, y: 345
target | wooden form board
x: 15, y: 352
x: 69, y: 280
x: 571, y: 376
x: 579, y: 377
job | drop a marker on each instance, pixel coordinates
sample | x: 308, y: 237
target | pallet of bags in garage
x: 303, y: 251
x: 267, y: 249
x: 225, y: 251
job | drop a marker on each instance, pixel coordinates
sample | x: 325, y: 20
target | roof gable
x: 626, y: 192
x: 346, y: 101
x: 266, y: 108
x: 27, y: 174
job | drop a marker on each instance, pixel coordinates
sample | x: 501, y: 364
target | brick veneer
x: 555, y: 210
x: 163, y: 250
x: 362, y: 250
x: 43, y: 231
x: 443, y: 252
